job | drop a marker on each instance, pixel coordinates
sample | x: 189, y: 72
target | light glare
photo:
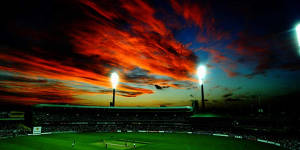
x: 298, y: 33
x: 201, y: 72
x: 114, y: 80
x: 200, y: 82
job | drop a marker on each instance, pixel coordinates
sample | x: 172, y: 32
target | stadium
x: 150, y: 75
x: 93, y: 127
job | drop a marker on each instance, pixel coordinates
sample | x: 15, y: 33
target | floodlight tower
x: 201, y: 72
x: 114, y: 81
x: 298, y: 33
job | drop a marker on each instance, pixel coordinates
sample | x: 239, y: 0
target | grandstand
x: 142, y: 126
x: 95, y: 118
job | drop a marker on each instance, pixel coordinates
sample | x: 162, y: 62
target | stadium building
x: 129, y: 127
x: 53, y: 118
x: 86, y: 75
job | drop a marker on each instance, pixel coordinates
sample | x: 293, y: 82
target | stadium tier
x: 50, y: 119
x: 90, y: 118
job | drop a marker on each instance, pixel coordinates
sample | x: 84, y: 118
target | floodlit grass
x: 143, y: 141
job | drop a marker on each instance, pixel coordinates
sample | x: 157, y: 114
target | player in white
x: 73, y: 144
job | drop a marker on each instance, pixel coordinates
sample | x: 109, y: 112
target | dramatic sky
x: 64, y: 51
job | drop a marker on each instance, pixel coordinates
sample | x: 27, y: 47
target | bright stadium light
x: 201, y: 72
x: 114, y: 81
x: 298, y: 33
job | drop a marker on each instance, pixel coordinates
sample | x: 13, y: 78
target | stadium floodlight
x: 298, y: 33
x: 201, y: 72
x: 114, y: 80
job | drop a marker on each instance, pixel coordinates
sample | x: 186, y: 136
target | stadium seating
x: 56, y: 119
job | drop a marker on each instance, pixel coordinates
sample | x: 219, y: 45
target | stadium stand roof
x: 209, y: 115
x: 186, y: 108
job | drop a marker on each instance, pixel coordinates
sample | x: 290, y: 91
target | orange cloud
x: 31, y: 92
x: 36, y: 67
x: 201, y: 16
x: 119, y: 36
x: 148, y: 45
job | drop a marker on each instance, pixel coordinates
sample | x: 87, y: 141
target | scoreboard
x: 37, y: 130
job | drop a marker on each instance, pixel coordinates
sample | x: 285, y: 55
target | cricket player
x: 73, y: 144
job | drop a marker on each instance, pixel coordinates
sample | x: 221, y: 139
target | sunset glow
x: 65, y: 52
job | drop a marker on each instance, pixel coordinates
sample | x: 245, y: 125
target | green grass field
x: 143, y: 141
